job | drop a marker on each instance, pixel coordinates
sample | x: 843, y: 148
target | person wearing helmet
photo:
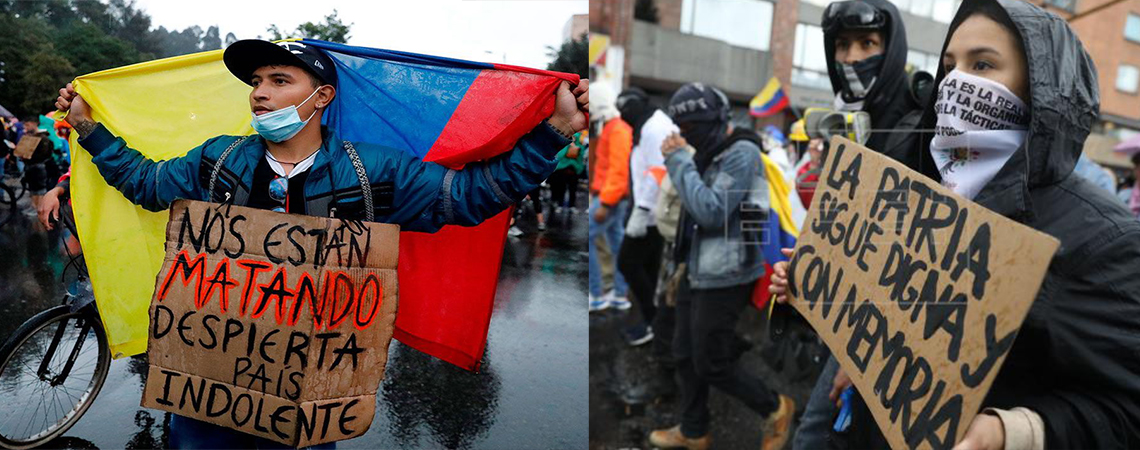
x: 720, y: 186
x: 807, y: 169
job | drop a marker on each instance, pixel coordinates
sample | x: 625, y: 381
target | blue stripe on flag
x: 378, y: 97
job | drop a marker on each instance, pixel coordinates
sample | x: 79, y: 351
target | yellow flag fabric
x: 781, y: 197
x: 163, y: 109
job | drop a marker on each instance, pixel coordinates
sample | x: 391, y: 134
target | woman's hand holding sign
x: 779, y: 286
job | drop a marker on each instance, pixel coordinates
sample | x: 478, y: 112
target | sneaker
x: 778, y: 425
x: 597, y: 304
x: 514, y: 231
x: 639, y: 334
x: 573, y: 210
x: 622, y: 303
x: 672, y: 438
x: 542, y: 226
x: 557, y: 210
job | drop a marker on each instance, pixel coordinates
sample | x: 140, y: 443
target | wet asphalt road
x: 630, y: 394
x: 531, y: 392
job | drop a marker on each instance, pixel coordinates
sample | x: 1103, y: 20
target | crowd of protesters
x: 42, y: 160
x: 671, y: 185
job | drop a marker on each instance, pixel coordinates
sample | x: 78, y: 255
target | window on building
x: 1127, y: 78
x: 743, y: 23
x: 939, y: 10
x: 921, y: 8
x: 809, y: 60
x: 944, y: 10
x: 921, y: 60
x: 1067, y: 5
x: 1132, y: 28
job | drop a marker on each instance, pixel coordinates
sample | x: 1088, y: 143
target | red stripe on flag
x: 773, y: 109
x: 760, y: 294
x: 572, y: 78
x: 447, y: 289
x: 500, y: 106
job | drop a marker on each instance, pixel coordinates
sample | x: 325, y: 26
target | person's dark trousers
x: 664, y: 321
x: 704, y: 350
x: 561, y: 182
x: 639, y: 261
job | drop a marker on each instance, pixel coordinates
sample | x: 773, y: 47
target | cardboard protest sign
x: 917, y: 291
x: 27, y: 146
x: 272, y: 324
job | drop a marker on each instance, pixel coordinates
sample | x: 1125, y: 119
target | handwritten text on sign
x: 272, y: 324
x: 917, y: 291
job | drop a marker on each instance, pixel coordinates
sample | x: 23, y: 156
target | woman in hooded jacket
x: 1072, y: 376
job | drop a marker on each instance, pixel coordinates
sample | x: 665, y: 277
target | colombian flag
x: 770, y: 100
x: 780, y: 229
x: 443, y: 110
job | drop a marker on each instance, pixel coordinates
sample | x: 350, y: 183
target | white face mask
x: 980, y: 124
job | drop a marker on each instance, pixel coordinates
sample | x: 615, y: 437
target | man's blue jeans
x: 819, y: 414
x: 612, y: 229
x: 187, y: 433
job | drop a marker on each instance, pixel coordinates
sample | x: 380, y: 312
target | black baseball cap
x: 246, y: 56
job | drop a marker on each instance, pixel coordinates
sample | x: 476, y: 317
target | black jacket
x: 890, y: 98
x: 1076, y: 360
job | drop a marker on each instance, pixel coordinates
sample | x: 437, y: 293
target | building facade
x: 738, y: 45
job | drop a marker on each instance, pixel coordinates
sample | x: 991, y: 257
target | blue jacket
x: 722, y: 207
x: 417, y: 195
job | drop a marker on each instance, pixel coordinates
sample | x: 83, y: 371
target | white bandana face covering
x: 980, y: 124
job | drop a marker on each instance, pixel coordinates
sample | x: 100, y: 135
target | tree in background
x: 570, y: 57
x: 48, y: 43
x: 332, y: 30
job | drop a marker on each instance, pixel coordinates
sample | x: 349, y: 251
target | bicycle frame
x: 78, y: 301
x: 62, y: 376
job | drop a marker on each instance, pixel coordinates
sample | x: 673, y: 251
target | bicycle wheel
x: 7, y: 195
x: 51, y: 369
x: 21, y: 189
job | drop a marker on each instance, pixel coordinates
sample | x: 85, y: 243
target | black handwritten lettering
x: 995, y: 348
x: 169, y: 376
x: 158, y: 330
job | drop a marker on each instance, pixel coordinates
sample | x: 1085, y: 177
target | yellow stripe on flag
x: 162, y: 108
x: 765, y: 94
x: 598, y: 45
x: 778, y: 194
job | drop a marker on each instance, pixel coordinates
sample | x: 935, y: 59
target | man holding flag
x: 296, y: 165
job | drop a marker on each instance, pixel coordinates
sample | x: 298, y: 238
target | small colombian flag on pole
x: 770, y: 100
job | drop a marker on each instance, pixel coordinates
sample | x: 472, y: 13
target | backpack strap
x: 365, y: 186
x: 218, y: 168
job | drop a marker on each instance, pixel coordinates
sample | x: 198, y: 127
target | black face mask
x: 705, y: 137
x: 858, y: 78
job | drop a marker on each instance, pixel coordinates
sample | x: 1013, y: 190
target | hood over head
x: 635, y: 109
x: 882, y: 100
x: 602, y: 106
x: 1064, y: 102
x: 702, y: 114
